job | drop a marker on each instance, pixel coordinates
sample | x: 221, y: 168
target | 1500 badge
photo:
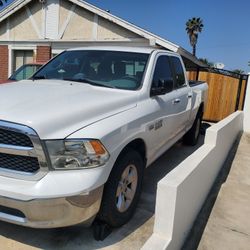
x: 156, y: 125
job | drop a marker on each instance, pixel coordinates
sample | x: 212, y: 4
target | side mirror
x: 163, y: 87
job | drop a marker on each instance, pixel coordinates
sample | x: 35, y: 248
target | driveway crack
x: 237, y: 231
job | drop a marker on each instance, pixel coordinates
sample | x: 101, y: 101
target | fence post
x: 238, y: 94
x: 197, y: 73
x: 247, y: 107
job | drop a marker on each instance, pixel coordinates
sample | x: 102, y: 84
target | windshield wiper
x: 89, y: 82
x: 37, y: 77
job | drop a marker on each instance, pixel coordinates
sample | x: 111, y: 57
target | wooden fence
x: 226, y: 93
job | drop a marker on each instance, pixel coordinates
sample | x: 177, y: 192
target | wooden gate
x: 226, y: 92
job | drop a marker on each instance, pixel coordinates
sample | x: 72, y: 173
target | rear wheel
x: 192, y: 136
x: 122, y: 191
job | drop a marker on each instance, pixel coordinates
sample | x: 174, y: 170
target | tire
x: 116, y: 209
x: 192, y: 136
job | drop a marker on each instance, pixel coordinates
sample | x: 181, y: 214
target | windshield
x: 115, y: 69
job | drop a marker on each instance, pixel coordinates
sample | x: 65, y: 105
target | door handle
x: 190, y: 96
x: 175, y: 101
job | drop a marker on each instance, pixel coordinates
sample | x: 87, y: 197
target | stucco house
x: 36, y: 30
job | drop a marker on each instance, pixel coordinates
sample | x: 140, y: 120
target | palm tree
x: 193, y: 27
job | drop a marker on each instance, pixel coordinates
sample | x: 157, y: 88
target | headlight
x: 76, y: 154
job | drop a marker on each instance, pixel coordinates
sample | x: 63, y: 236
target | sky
x: 225, y: 37
x: 5, y: 3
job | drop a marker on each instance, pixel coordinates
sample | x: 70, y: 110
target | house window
x: 22, y: 57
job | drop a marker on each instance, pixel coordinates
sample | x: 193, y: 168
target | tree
x: 238, y: 71
x: 207, y: 62
x: 194, y: 27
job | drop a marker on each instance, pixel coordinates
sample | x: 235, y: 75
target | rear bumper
x: 52, y: 213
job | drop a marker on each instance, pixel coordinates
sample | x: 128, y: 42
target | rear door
x: 183, y: 101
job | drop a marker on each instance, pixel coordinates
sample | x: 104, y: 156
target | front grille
x: 21, y: 152
x: 19, y: 163
x: 14, y: 138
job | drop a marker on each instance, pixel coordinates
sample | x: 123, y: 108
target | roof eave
x: 112, y: 18
x: 127, y: 25
x: 190, y: 57
x: 15, y: 6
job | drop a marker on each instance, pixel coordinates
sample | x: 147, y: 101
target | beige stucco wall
x: 80, y: 26
x: 36, y: 11
x: 108, y: 30
x: 21, y: 27
x: 3, y: 33
x: 63, y: 11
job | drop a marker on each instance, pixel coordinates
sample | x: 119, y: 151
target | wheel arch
x: 110, y: 187
x: 138, y: 145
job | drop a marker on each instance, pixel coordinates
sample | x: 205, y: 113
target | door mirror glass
x: 163, y: 87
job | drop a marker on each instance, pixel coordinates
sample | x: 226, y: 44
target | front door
x: 161, y: 109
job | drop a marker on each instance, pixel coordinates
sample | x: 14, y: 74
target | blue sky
x: 4, y: 3
x: 226, y: 34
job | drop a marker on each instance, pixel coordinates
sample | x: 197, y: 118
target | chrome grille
x: 19, y: 163
x: 21, y: 152
x: 13, y: 138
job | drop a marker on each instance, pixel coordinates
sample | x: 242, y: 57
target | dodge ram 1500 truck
x: 76, y: 137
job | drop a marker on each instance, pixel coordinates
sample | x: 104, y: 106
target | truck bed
x: 195, y: 83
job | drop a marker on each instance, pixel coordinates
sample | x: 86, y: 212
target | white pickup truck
x: 75, y: 138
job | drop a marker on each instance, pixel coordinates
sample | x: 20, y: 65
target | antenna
x: 219, y: 65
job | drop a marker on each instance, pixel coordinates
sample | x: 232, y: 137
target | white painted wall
x: 181, y: 193
x: 247, y: 108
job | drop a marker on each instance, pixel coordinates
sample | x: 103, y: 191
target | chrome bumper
x: 52, y: 213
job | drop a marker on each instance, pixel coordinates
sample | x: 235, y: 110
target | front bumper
x: 54, y: 212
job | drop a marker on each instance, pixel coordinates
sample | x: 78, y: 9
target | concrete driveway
x: 131, y: 236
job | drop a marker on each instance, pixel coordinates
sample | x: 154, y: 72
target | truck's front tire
x: 122, y: 191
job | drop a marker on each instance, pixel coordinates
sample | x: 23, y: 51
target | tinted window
x: 163, y: 73
x: 123, y: 70
x: 179, y: 73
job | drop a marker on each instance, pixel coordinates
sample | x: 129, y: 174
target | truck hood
x: 56, y: 109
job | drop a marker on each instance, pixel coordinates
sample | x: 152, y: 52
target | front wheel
x: 122, y: 191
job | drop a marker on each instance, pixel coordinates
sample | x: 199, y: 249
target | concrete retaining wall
x: 181, y: 194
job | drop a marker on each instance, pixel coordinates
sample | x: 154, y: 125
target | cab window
x: 163, y: 74
x: 179, y: 72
